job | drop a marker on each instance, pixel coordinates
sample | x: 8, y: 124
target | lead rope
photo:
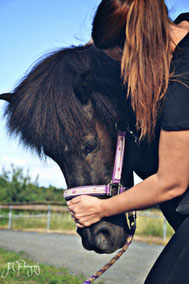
x: 132, y: 220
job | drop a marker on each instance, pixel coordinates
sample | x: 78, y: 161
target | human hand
x: 85, y: 210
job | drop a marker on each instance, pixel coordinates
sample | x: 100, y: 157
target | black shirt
x: 174, y: 116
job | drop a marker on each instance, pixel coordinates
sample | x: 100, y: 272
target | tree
x: 17, y: 187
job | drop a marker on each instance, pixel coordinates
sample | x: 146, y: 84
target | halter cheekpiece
x: 107, y: 189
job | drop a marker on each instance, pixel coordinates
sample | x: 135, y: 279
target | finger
x: 73, y: 218
x: 84, y: 221
x: 72, y: 208
x: 78, y: 225
x: 74, y: 201
x: 71, y: 211
x: 83, y: 224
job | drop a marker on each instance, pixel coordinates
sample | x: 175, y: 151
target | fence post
x: 48, y: 217
x: 10, y: 217
x: 164, y: 229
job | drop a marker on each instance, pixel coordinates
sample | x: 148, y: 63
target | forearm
x: 149, y: 192
x: 171, y: 180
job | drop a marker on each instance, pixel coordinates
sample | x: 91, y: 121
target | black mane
x: 44, y: 108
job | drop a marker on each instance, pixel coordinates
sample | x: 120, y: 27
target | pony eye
x: 91, y: 145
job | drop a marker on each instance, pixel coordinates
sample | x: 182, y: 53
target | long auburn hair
x: 141, y: 29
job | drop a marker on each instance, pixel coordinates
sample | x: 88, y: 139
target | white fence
x: 46, y: 208
x: 49, y: 208
x: 147, y: 213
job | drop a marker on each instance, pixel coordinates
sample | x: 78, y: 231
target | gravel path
x: 67, y: 251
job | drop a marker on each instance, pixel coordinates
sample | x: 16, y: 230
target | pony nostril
x: 103, y: 239
x: 106, y: 236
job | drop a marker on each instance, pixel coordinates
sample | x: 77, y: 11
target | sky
x: 28, y: 30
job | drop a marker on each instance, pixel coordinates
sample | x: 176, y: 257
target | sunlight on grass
x: 152, y: 224
x: 59, y: 221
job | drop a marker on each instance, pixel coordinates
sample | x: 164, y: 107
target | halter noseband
x: 107, y: 189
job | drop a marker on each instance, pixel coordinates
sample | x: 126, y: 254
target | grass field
x: 46, y: 274
x: 150, y: 225
x: 59, y: 221
x: 147, y: 226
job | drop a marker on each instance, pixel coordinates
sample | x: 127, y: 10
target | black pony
x: 66, y: 108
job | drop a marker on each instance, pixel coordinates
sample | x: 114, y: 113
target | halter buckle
x: 118, y: 187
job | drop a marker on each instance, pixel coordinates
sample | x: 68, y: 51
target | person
x: 154, y: 60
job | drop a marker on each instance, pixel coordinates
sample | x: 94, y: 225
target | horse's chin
x: 105, y: 236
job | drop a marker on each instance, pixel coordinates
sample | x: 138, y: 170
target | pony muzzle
x: 105, y: 236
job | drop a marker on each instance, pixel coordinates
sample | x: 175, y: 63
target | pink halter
x: 104, y: 190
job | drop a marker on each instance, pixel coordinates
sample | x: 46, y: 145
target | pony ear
x: 83, y: 86
x: 6, y: 97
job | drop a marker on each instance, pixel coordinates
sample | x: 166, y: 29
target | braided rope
x: 115, y: 258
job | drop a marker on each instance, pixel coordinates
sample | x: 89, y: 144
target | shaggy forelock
x: 44, y: 111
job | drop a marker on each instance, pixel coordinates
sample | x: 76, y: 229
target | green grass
x: 149, y: 226
x: 59, y: 221
x: 48, y: 274
x: 146, y: 226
